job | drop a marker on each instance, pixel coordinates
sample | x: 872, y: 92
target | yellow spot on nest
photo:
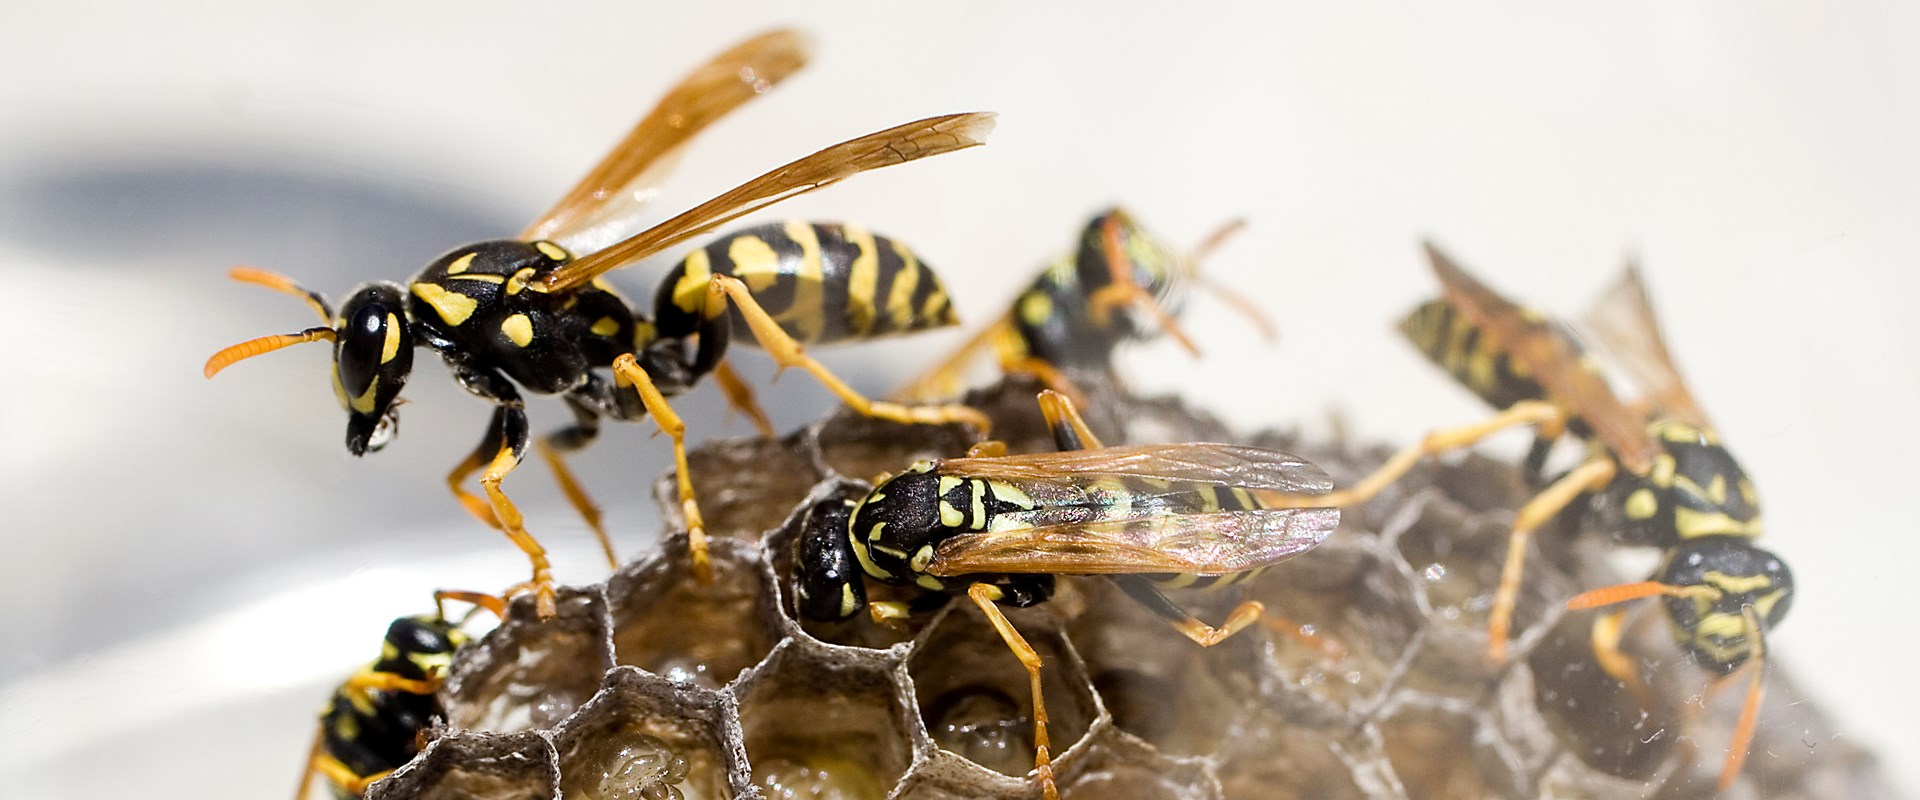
x: 453, y: 307
x: 461, y: 264
x: 519, y: 329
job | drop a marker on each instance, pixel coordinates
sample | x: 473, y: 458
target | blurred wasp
x: 1655, y: 471
x: 1000, y: 528
x: 532, y: 311
x: 1120, y: 284
x: 378, y: 719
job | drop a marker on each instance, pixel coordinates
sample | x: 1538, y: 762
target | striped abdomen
x: 1464, y: 350
x: 821, y: 282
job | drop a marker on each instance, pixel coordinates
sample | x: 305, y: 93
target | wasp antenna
x: 285, y: 285
x: 1610, y: 595
x: 261, y: 346
x: 1750, y: 710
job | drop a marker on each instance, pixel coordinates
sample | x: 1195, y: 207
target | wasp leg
x: 492, y: 603
x: 787, y: 353
x: 336, y: 773
x: 1122, y: 291
x: 991, y: 448
x: 1016, y: 359
x: 1750, y: 710
x: 984, y: 595
x: 1588, y: 477
x: 314, y: 755
x: 740, y: 398
x: 1329, y: 648
x: 945, y: 378
x: 1070, y: 431
x: 554, y: 446
x: 627, y: 372
x: 513, y: 445
x: 1549, y: 419
x: 1145, y: 593
x: 474, y: 462
x: 1608, y: 629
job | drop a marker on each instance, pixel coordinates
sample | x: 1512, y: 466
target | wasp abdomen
x: 822, y: 282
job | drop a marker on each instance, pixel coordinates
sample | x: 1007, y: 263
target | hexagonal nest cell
x: 1367, y: 676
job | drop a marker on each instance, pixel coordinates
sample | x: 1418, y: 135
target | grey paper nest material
x: 652, y: 681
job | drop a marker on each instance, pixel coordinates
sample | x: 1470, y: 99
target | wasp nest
x: 1369, y: 680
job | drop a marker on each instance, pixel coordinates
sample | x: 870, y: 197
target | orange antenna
x: 1200, y: 253
x: 283, y: 284
x: 263, y: 345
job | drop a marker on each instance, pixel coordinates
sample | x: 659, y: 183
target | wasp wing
x: 895, y: 145
x: 1182, y: 508
x: 615, y: 188
x: 1553, y: 359
x: 1624, y: 323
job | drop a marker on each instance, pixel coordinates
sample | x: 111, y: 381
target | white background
x: 192, y: 563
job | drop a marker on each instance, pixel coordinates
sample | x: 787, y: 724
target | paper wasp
x: 532, y: 314
x: 377, y: 719
x: 1119, y: 284
x: 1655, y: 471
x: 999, y: 528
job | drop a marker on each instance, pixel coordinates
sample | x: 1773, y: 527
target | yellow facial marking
x: 848, y: 605
x: 893, y: 552
x: 605, y: 326
x: 1690, y: 523
x: 1642, y: 504
x: 863, y: 279
x: 1737, y: 584
x: 1763, y: 605
x: 519, y: 329
x: 865, y: 558
x: 552, y: 251
x: 461, y: 264
x: 391, y: 347
x: 364, y: 403
x: 453, y: 307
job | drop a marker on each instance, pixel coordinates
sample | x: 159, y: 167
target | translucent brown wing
x: 1624, y: 323
x: 896, y: 145
x: 1160, y: 525
x: 706, y: 94
x: 1553, y: 359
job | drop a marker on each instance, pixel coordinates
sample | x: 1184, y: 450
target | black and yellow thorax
x: 372, y: 730
x: 1694, y: 489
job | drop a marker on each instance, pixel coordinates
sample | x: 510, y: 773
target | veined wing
x: 1184, y: 508
x: 1624, y: 323
x: 1551, y: 359
x: 895, y: 145
x: 615, y: 187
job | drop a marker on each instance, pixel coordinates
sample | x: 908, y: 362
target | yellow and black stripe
x: 822, y: 282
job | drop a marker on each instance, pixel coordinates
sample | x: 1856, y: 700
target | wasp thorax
x: 372, y: 356
x: 1720, y: 577
x: 900, y: 517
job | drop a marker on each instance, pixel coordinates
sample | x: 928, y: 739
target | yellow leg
x: 945, y: 378
x: 740, y: 397
x: 1063, y: 417
x: 788, y: 354
x: 1549, y: 419
x: 1122, y: 291
x: 1750, y: 710
x: 1587, y: 477
x: 335, y: 772
x: 457, y: 479
x: 514, y: 525
x: 478, y: 599
x: 984, y: 595
x: 1145, y: 593
x: 627, y: 372
x: 1608, y: 629
x: 313, y: 763
x: 576, y: 496
x: 991, y: 448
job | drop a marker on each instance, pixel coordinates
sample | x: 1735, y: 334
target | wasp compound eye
x: 372, y: 358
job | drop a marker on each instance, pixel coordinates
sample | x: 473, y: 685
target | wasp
x: 533, y: 314
x: 999, y: 528
x: 378, y: 719
x: 1120, y: 284
x: 1655, y: 471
